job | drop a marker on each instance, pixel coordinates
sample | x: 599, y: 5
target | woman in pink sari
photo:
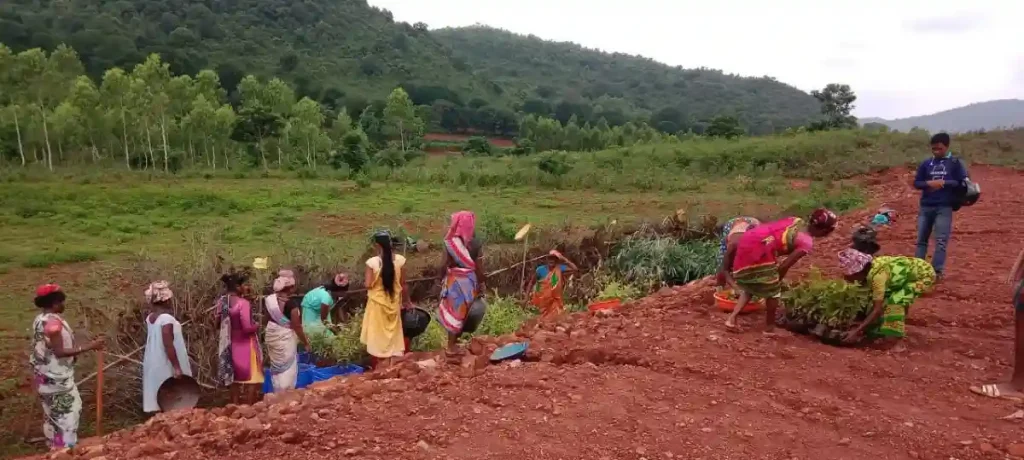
x: 240, y: 357
x: 753, y: 266
x: 463, y: 275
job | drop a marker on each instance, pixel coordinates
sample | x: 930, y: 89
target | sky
x: 901, y: 57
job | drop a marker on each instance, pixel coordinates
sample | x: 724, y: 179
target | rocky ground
x: 662, y: 379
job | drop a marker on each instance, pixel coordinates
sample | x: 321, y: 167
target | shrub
x: 834, y: 303
x: 505, y: 315
x: 478, y: 146
x: 664, y: 261
x: 555, y: 163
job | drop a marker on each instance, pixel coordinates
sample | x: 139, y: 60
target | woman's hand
x: 177, y: 373
x: 852, y: 337
x: 98, y: 344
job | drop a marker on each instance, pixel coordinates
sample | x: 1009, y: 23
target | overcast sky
x: 902, y: 57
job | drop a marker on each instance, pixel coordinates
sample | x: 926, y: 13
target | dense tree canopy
x: 344, y: 53
x: 564, y: 79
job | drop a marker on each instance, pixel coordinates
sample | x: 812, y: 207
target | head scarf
x: 285, y: 279
x: 463, y: 226
x: 823, y: 219
x: 852, y: 261
x: 159, y: 292
x: 47, y: 289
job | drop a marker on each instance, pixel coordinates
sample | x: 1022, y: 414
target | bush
x: 833, y: 303
x: 478, y: 146
x: 664, y: 261
x: 555, y: 163
x: 343, y: 346
x: 505, y: 315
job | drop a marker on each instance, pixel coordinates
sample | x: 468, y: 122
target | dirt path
x: 664, y: 381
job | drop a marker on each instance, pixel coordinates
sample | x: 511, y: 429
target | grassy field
x: 81, y: 227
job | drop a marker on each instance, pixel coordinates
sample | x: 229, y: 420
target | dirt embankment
x: 663, y: 380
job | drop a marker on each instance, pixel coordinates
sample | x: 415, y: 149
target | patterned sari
x: 756, y: 266
x: 459, y: 289
x: 54, y: 380
x: 898, y: 281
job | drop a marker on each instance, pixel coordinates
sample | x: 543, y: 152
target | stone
x: 245, y: 412
x: 63, y: 454
x: 291, y: 437
x: 1016, y: 450
x: 422, y: 445
x: 844, y: 442
x: 986, y: 447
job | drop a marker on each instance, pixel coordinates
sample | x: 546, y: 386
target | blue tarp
x: 309, y: 373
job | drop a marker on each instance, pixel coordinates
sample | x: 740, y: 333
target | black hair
x: 232, y: 281
x: 387, y: 262
x: 941, y: 138
x: 293, y: 302
x: 49, y: 300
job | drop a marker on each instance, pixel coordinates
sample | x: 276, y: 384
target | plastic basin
x: 724, y: 303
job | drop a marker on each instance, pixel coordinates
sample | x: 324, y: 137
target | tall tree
x: 85, y: 97
x: 151, y: 81
x: 13, y: 88
x: 836, y: 105
x: 116, y: 91
x: 400, y: 118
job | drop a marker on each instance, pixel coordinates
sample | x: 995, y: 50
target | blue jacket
x: 948, y: 169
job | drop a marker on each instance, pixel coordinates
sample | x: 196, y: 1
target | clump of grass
x: 654, y: 261
x: 343, y: 346
x: 841, y: 199
x: 505, y: 315
x: 49, y: 259
x: 615, y: 289
x: 434, y: 338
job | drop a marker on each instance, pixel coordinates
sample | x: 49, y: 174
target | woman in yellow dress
x: 385, y: 296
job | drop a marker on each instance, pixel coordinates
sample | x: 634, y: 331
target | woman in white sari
x: 284, y: 331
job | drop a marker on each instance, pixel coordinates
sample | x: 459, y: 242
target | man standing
x: 937, y: 178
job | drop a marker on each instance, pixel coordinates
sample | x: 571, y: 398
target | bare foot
x: 732, y: 327
x: 770, y: 333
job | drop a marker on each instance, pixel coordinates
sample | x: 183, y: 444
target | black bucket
x: 414, y: 322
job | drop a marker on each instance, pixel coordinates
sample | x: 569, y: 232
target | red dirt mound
x: 663, y: 380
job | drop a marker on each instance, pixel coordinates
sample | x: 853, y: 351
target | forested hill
x: 327, y: 49
x: 542, y: 72
x: 345, y: 52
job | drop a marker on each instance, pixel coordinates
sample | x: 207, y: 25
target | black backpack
x: 967, y: 193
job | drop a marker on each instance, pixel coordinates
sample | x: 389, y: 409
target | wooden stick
x: 99, y: 393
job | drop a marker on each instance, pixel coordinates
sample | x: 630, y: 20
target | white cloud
x: 903, y: 58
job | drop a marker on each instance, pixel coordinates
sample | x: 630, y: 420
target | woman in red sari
x: 753, y: 266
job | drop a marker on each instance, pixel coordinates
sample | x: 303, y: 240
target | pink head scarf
x: 852, y: 261
x: 463, y: 226
x: 285, y: 279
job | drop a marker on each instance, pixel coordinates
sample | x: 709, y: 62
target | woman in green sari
x: 895, y: 282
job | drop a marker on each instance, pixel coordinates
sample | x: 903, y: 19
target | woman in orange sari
x: 548, y: 285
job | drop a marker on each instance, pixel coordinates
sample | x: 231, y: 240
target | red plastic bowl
x: 724, y: 303
x: 610, y: 304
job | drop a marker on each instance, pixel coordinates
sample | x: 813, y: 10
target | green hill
x: 334, y: 51
x: 545, y: 74
x: 345, y: 52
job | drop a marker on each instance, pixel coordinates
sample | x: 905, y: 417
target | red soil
x: 663, y: 380
x: 445, y: 137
